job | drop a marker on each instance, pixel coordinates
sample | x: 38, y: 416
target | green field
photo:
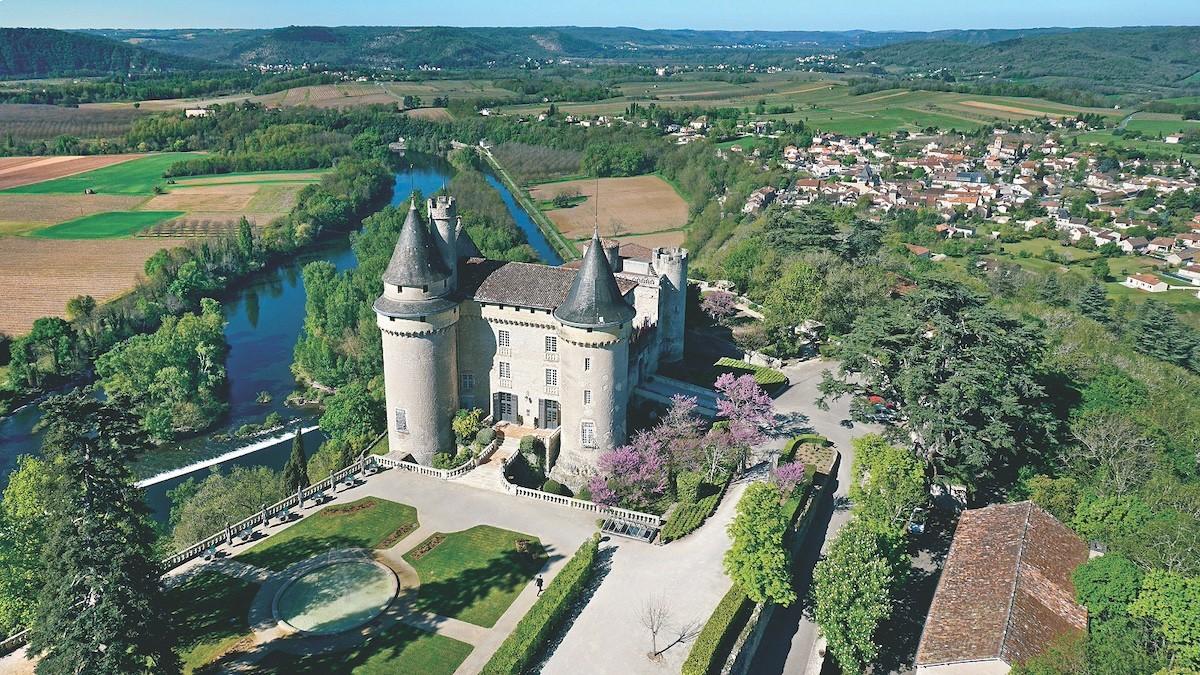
x: 474, y: 575
x: 135, y: 177
x: 1036, y: 247
x: 365, y: 523
x: 1157, y: 147
x: 1161, y: 123
x: 106, y: 225
x: 399, y: 649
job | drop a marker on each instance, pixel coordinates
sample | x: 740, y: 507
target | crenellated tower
x: 443, y: 216
x: 418, y: 317
x: 671, y: 264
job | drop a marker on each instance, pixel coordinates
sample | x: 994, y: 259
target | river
x: 263, y: 320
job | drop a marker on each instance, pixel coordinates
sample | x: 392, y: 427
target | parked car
x: 916, y: 521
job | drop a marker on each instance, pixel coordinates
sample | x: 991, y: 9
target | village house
x: 1145, y: 282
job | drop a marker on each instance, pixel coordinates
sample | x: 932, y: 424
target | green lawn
x: 135, y: 177
x: 366, y: 523
x: 1184, y: 302
x: 106, y: 225
x: 209, y: 614
x: 474, y: 575
x: 399, y: 649
x: 1161, y: 124
x: 1035, y: 247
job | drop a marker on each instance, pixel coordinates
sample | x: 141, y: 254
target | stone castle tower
x: 418, y: 316
x: 672, y: 264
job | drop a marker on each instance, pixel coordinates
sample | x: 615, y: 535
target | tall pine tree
x: 1158, y: 332
x: 1093, y: 303
x: 101, y: 611
x: 295, y: 474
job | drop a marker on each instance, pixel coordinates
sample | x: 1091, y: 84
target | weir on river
x: 264, y: 317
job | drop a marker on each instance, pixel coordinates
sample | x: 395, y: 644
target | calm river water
x: 264, y: 317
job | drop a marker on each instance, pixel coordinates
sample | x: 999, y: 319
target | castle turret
x: 671, y: 265
x: 595, y: 324
x: 418, y: 319
x: 443, y: 214
x: 466, y: 245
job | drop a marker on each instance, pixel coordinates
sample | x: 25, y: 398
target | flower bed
x: 766, y: 378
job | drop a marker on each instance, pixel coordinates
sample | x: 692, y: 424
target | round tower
x: 443, y: 216
x: 671, y: 266
x: 595, y: 324
x: 418, y: 320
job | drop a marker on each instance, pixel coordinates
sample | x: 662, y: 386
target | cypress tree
x: 1093, y: 303
x: 102, y: 609
x: 295, y: 474
x: 1159, y: 333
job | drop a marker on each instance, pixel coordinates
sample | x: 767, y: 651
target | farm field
x: 135, y: 177
x: 18, y: 171
x: 827, y: 104
x: 340, y: 95
x: 39, y: 275
x: 31, y: 122
x: 21, y: 214
x: 1161, y: 123
x: 106, y: 225
x: 639, y: 205
x: 1150, y: 146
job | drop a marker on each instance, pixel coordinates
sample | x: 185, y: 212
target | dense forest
x: 1116, y: 61
x: 41, y: 52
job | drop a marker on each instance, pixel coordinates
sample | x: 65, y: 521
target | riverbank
x: 563, y: 249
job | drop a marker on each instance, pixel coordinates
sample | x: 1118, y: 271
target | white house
x: 1145, y: 282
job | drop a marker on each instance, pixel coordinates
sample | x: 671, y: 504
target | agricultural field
x: 31, y: 122
x: 1159, y: 148
x: 1161, y: 123
x: 641, y: 209
x: 18, y: 171
x: 341, y: 95
x: 827, y: 104
x: 40, y: 275
x: 124, y: 178
x: 125, y: 202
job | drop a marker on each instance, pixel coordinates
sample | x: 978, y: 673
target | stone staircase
x: 490, y: 474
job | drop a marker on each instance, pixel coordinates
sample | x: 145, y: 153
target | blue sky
x: 700, y: 14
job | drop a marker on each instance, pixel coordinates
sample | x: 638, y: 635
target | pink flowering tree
x: 720, y: 305
x: 788, y: 477
x: 748, y: 410
x: 632, y: 475
x: 679, y: 433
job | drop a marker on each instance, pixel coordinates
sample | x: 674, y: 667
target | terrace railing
x: 14, y: 642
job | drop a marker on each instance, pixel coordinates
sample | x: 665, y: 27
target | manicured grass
x: 137, y: 177
x: 106, y: 225
x: 1184, y: 302
x: 209, y: 613
x: 1035, y: 247
x: 474, y: 575
x: 765, y: 377
x: 366, y: 523
x: 399, y: 649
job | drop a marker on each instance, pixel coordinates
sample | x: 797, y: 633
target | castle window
x: 587, y: 363
x: 505, y: 370
x: 587, y: 396
x: 587, y: 434
x: 401, y: 420
x: 552, y: 377
x: 503, y: 339
x: 468, y: 381
x: 551, y: 343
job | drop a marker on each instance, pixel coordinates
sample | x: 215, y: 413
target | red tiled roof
x: 1005, y: 592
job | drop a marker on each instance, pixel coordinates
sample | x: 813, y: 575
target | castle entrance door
x: 549, y: 419
x: 506, y: 406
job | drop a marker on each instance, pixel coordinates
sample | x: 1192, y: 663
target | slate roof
x: 520, y: 284
x: 415, y: 261
x: 594, y: 299
x: 1005, y: 591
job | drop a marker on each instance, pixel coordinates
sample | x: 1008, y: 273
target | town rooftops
x: 1005, y: 592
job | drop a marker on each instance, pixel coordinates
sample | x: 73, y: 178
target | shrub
x: 556, y: 488
x: 272, y: 420
x: 766, y: 378
x: 687, y: 518
x: 247, y: 430
x: 530, y: 444
x: 466, y: 424
x: 443, y: 460
x: 687, y: 486
x: 486, y: 435
x: 715, y: 641
x: 527, y: 640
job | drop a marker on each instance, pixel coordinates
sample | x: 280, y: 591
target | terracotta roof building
x: 1005, y: 593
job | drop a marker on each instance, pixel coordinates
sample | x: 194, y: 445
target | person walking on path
x: 539, y: 583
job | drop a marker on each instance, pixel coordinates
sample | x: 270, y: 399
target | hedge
x: 556, y: 488
x: 528, y: 639
x: 720, y: 632
x: 765, y: 377
x: 687, y: 486
x: 789, y: 451
x: 686, y: 518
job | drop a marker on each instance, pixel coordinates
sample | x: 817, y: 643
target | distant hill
x: 42, y: 52
x: 449, y: 47
x: 1149, y: 61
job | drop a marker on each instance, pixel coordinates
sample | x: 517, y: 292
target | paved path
x: 608, y: 637
x: 790, y: 636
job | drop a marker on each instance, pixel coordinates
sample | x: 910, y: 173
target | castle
x: 535, y: 345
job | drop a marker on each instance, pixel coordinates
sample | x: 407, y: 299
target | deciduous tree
x: 758, y: 561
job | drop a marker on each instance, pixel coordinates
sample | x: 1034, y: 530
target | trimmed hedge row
x: 686, y: 518
x: 527, y: 640
x: 789, y: 450
x: 765, y: 377
x: 719, y: 634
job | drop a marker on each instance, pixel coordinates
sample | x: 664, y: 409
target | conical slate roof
x: 416, y: 261
x: 594, y: 300
x: 466, y: 247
